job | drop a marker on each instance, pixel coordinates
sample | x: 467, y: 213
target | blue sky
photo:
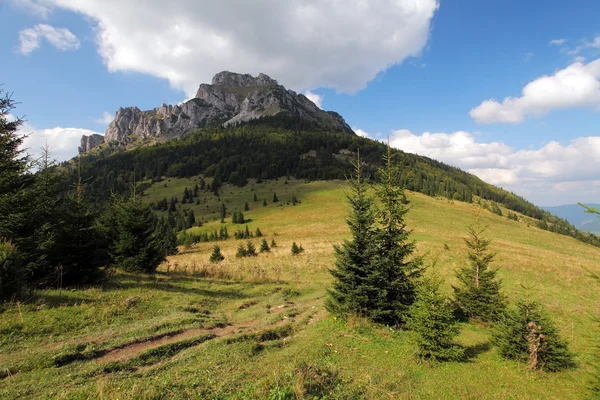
x: 422, y: 72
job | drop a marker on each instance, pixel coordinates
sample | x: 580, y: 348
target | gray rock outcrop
x: 89, y: 142
x: 230, y: 99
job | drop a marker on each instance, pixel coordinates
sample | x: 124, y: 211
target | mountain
x: 241, y: 127
x: 230, y: 99
x: 576, y: 215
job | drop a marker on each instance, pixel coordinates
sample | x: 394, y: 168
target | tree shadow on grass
x: 472, y: 352
x: 173, y: 287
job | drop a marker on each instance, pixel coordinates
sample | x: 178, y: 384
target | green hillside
x: 273, y: 147
x: 256, y: 327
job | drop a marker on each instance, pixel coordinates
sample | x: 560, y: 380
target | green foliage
x: 264, y: 202
x: 375, y: 272
x: 393, y: 268
x: 135, y: 244
x: 238, y: 217
x: 258, y: 233
x: 264, y: 246
x: 432, y: 320
x: 511, y: 215
x: 496, y: 209
x: 247, y: 206
x: 273, y: 243
x: 248, y: 251
x: 350, y: 294
x: 275, y: 199
x: 478, y: 295
x: 296, y: 249
x: 223, y: 212
x: 12, y: 279
x: 216, y: 255
x: 526, y: 334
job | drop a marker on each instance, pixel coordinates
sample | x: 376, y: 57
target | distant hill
x: 576, y: 215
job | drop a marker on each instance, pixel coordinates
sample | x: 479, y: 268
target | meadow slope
x: 256, y: 327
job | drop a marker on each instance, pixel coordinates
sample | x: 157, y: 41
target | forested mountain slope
x: 288, y: 145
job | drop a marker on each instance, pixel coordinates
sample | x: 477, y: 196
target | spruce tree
x: 246, y: 207
x: 241, y: 251
x: 432, y: 320
x: 264, y: 246
x: 526, y: 334
x: 250, y: 250
x: 479, y: 295
x: 258, y: 233
x: 216, y: 256
x: 296, y: 249
x: 393, y: 270
x: 273, y: 243
x: 135, y: 245
x: 255, y: 198
x: 14, y: 203
x: 349, y: 294
x: 223, y: 213
x: 264, y: 202
x: 275, y: 199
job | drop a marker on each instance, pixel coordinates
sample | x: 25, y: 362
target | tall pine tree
x: 351, y: 293
x: 478, y: 295
x: 394, y: 269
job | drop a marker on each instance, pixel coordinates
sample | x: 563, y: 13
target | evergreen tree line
x: 189, y: 238
x: 50, y: 237
x: 246, y: 234
x: 264, y: 149
x: 378, y: 276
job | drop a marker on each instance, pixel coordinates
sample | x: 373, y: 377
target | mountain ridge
x: 231, y: 98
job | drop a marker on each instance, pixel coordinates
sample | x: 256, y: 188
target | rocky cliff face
x: 89, y: 142
x: 230, y: 99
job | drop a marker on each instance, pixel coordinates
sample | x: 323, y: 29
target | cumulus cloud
x: 61, y: 38
x: 63, y: 142
x: 303, y: 44
x: 577, y: 85
x: 362, y: 133
x: 553, y: 174
x: 315, y: 98
x: 106, y: 118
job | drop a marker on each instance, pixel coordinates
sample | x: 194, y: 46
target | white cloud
x: 315, y: 98
x: 63, y: 142
x: 577, y: 85
x: 303, y: 44
x: 553, y: 174
x: 584, y: 44
x: 34, y: 7
x: 362, y: 133
x: 106, y: 118
x: 61, y: 38
x: 558, y: 42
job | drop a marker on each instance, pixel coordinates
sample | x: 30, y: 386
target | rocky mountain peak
x: 231, y: 99
x: 226, y: 78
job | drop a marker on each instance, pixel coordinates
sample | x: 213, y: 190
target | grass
x: 256, y: 327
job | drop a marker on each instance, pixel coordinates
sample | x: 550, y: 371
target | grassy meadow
x: 256, y: 327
